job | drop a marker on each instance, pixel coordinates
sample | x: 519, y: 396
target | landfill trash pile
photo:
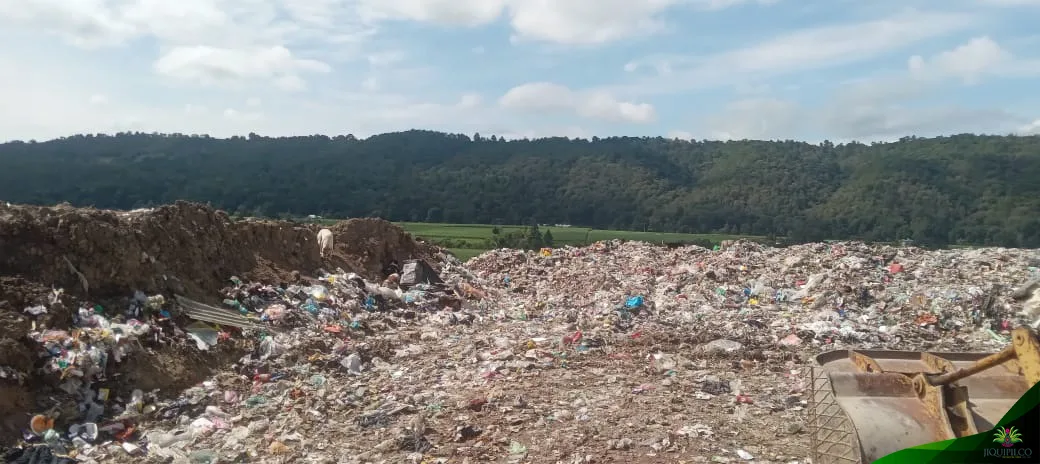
x: 87, y: 295
x: 613, y: 353
x: 820, y: 296
x: 423, y: 367
x: 299, y: 338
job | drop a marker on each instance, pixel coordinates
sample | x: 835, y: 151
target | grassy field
x: 468, y: 240
x: 464, y: 254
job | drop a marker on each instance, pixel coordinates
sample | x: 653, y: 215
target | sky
x: 812, y: 70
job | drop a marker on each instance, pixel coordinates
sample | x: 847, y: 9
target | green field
x: 464, y: 254
x: 468, y: 240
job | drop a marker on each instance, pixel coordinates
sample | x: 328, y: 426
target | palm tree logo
x: 1007, y: 437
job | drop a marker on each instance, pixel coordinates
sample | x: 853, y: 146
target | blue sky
x: 716, y: 69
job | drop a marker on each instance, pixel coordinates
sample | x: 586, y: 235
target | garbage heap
x: 822, y: 295
x: 288, y: 331
x: 88, y: 298
x: 617, y: 352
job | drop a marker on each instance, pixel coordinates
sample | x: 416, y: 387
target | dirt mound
x: 367, y: 245
x: 186, y: 248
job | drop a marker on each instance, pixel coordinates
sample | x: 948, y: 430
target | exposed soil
x: 366, y: 245
x: 186, y: 248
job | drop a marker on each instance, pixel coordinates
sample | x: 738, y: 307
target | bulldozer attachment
x: 867, y: 404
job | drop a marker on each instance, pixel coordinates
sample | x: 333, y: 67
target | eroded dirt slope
x: 185, y: 247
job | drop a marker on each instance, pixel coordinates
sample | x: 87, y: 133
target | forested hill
x: 960, y: 189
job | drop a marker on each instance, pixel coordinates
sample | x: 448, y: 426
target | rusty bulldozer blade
x: 867, y: 404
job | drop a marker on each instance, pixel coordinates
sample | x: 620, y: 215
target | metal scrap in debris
x: 206, y: 313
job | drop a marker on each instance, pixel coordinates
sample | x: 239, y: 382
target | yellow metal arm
x: 1024, y: 347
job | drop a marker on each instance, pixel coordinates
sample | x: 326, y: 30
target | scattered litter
x: 608, y: 353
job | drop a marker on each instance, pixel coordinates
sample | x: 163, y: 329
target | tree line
x: 528, y: 238
x: 963, y: 189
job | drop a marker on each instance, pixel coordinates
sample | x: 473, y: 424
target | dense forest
x: 961, y: 189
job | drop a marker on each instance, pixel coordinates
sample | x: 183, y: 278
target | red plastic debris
x: 572, y: 339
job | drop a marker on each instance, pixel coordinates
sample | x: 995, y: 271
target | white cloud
x: 574, y: 22
x: 884, y: 107
x: 204, y: 41
x: 587, y: 21
x: 888, y: 107
x: 546, y: 96
x: 1032, y: 128
x: 807, y: 49
x: 447, y: 12
x: 53, y: 102
x: 86, y: 23
x: 970, y: 62
x: 101, y: 23
x: 106, y: 65
x: 210, y: 65
x: 967, y: 62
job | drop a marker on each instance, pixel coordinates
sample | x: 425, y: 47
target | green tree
x: 533, y: 239
x: 971, y: 189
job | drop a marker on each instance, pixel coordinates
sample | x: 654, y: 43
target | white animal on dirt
x: 325, y: 242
